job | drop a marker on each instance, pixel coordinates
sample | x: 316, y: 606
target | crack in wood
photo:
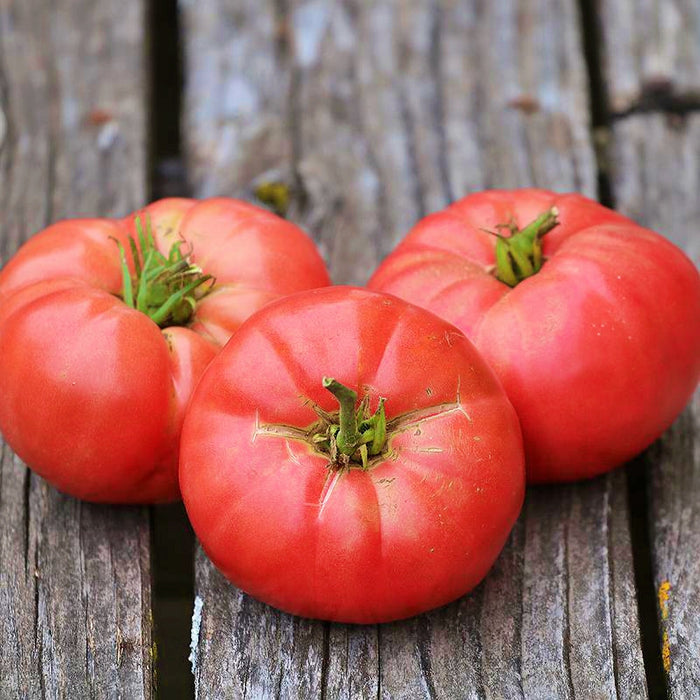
x: 657, y: 98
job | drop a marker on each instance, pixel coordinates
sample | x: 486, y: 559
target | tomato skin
x: 83, y: 404
x: 92, y: 392
x: 420, y: 528
x: 599, y: 351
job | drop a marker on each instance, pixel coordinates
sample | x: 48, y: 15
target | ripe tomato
x: 593, y: 328
x: 366, y: 513
x: 93, y: 391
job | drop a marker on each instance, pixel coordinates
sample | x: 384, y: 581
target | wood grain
x: 75, y: 617
x: 375, y: 114
x: 655, y: 162
x: 656, y: 176
x: 651, y: 52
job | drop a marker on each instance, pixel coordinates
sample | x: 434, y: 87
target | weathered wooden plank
x: 655, y: 161
x: 375, y: 114
x: 651, y: 51
x: 656, y: 179
x: 282, y: 656
x: 74, y: 578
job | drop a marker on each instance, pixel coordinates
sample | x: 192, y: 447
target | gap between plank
x: 638, y: 504
x: 172, y: 539
x: 637, y: 478
x: 167, y: 177
x: 599, y: 105
x: 660, y: 98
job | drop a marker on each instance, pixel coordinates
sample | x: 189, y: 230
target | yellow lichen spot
x: 666, y: 652
x: 664, y: 595
x: 275, y: 195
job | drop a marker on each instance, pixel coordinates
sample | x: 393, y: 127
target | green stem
x: 379, y: 438
x: 519, y: 256
x: 544, y: 223
x: 348, y: 437
x: 127, y: 286
x: 357, y: 435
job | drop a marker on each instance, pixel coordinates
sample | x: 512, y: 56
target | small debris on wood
x: 98, y: 117
x: 525, y: 103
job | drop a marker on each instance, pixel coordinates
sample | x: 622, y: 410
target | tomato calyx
x: 519, y: 255
x: 352, y: 437
x: 366, y: 436
x: 166, y: 289
x: 357, y: 435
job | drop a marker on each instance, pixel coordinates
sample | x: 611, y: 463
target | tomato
x: 333, y: 509
x: 93, y: 391
x: 591, y: 322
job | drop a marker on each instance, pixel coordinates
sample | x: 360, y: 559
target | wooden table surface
x: 373, y: 113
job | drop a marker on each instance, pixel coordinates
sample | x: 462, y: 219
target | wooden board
x: 75, y: 616
x: 655, y: 161
x: 651, y: 53
x: 656, y: 178
x: 375, y: 114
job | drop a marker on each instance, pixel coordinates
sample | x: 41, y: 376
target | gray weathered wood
x: 655, y: 160
x: 375, y: 114
x: 651, y: 51
x: 656, y: 179
x: 75, y: 618
x: 674, y: 476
